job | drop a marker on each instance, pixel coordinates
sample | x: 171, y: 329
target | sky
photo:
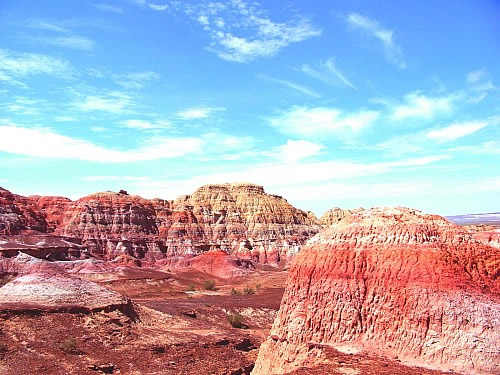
x: 347, y: 103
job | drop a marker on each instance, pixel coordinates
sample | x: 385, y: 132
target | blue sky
x: 328, y: 103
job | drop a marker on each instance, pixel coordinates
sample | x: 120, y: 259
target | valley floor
x: 178, y: 328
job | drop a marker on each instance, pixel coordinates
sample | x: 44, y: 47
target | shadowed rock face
x: 396, y: 282
x: 240, y: 219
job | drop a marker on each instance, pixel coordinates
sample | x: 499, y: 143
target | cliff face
x: 113, y: 224
x: 18, y: 213
x: 395, y: 282
x: 240, y: 219
x: 334, y: 215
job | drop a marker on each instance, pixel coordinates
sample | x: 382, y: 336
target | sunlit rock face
x: 334, y: 215
x: 395, y: 282
x: 241, y: 218
x: 113, y: 224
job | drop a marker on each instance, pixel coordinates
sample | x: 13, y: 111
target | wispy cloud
x: 456, y: 131
x: 197, y: 113
x: 45, y: 143
x: 114, y: 102
x: 146, y: 125
x: 294, y: 151
x: 327, y: 72
x: 158, y: 7
x: 108, y: 8
x: 43, y: 25
x: 135, y: 80
x: 292, y: 85
x: 154, y: 6
x: 479, y: 84
x: 68, y: 39
x: 241, y: 31
x: 322, y: 121
x: 374, y: 29
x: 25, y: 106
x: 282, y: 178
x: 15, y: 65
x: 476, y: 75
x: 428, y: 139
x: 418, y: 105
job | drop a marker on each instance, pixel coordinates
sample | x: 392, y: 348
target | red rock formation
x: 17, y: 214
x: 51, y: 208
x: 334, y: 215
x: 113, y: 224
x: 241, y: 218
x: 395, y: 282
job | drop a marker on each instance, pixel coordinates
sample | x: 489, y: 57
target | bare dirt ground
x: 179, y: 328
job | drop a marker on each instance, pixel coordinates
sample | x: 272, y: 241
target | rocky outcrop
x: 242, y: 219
x: 395, y: 282
x: 58, y: 292
x: 17, y: 214
x: 333, y: 216
x: 113, y: 224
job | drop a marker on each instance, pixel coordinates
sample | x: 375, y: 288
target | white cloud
x: 43, y: 25
x: 158, y: 7
x: 146, y: 125
x: 114, y: 102
x: 285, y: 178
x: 292, y: 85
x: 25, y: 106
x: 328, y: 72
x: 322, y: 121
x: 476, y: 75
x: 135, y: 80
x: 108, y: 8
x: 374, y: 29
x: 242, y: 32
x: 69, y: 41
x: 44, y: 143
x: 197, y: 113
x: 455, y: 131
x: 420, y: 106
x: 14, y: 65
x: 294, y: 151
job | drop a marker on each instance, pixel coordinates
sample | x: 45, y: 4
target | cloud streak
x: 374, y: 29
x: 292, y: 85
x: 196, y: 113
x: 312, y: 122
x: 45, y: 143
x: 328, y: 72
x: 15, y: 65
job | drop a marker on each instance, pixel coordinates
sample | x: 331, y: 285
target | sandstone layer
x: 395, y: 282
x: 240, y: 219
x: 334, y: 215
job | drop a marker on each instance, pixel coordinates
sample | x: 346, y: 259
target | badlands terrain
x: 232, y: 280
